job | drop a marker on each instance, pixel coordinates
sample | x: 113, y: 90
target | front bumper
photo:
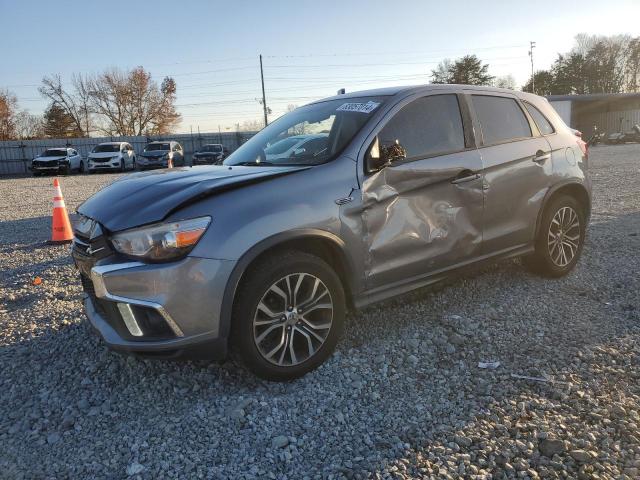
x: 49, y: 168
x: 126, y: 300
x: 110, y: 165
x: 148, y: 163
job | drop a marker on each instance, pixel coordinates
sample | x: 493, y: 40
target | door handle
x: 465, y: 176
x: 540, y: 156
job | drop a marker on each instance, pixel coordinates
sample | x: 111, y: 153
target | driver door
x: 423, y: 210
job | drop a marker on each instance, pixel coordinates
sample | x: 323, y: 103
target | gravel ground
x: 403, y: 397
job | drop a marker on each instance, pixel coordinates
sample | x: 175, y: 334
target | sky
x: 310, y: 48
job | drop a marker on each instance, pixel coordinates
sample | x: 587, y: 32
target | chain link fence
x: 16, y: 156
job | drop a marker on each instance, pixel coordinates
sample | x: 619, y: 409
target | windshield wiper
x: 255, y: 164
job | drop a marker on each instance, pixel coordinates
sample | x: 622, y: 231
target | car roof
x: 409, y: 89
x: 112, y: 143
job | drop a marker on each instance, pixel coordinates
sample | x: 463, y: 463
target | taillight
x: 584, y: 146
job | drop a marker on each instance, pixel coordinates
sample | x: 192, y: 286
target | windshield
x: 309, y: 135
x: 212, y: 148
x: 107, y: 147
x: 153, y: 147
x: 54, y: 152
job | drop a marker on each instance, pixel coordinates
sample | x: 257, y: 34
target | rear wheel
x: 288, y: 315
x: 560, y: 238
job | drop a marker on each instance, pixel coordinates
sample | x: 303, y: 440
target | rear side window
x: 501, y: 119
x: 543, y: 124
x: 427, y: 126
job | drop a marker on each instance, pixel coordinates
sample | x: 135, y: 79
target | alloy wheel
x: 564, y: 236
x: 293, y: 319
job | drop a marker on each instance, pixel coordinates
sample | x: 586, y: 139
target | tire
x: 36, y: 174
x: 311, y: 346
x: 122, y: 166
x: 133, y: 164
x: 558, y: 249
x: 81, y: 167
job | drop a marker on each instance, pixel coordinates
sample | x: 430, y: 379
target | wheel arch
x: 321, y: 243
x: 573, y: 189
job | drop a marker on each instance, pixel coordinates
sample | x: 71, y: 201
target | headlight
x: 116, y: 157
x: 164, y: 241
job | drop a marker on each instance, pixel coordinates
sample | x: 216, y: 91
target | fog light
x: 129, y: 319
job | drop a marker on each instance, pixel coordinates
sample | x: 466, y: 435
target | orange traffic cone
x: 60, y: 226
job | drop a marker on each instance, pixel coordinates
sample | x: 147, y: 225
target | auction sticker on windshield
x: 358, y: 107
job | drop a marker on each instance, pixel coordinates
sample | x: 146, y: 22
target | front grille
x: 101, y: 160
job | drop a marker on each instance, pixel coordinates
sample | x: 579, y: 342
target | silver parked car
x: 265, y: 255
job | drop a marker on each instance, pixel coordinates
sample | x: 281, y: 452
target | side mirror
x: 383, y: 156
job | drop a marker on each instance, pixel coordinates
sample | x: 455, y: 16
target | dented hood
x: 143, y: 198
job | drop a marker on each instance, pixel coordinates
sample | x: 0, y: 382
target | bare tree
x: 251, y: 126
x: 8, y: 110
x: 132, y: 103
x: 73, y: 102
x: 28, y: 126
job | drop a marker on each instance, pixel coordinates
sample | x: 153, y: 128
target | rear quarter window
x: 543, y: 124
x: 501, y: 119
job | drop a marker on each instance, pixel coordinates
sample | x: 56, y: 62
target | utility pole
x: 532, y: 45
x: 264, y: 98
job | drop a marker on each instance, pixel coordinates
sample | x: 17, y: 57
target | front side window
x: 501, y: 119
x: 426, y: 127
x: 543, y: 124
x: 309, y: 135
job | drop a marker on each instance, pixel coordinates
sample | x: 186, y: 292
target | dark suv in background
x: 266, y: 253
x: 210, y: 154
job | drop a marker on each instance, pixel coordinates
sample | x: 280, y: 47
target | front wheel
x: 81, y: 167
x: 288, y: 315
x: 560, y: 238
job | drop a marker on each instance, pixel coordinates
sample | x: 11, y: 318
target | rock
x: 134, y: 469
x: 413, y: 360
x: 53, y: 438
x: 550, y: 447
x: 456, y: 339
x: 581, y: 456
x: 280, y: 441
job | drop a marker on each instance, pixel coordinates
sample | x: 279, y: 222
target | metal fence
x: 16, y: 156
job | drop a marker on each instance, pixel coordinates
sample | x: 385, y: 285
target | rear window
x: 501, y: 119
x: 427, y: 126
x: 153, y: 147
x: 543, y: 124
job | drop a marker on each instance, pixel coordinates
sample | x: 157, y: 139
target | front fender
x: 270, y: 244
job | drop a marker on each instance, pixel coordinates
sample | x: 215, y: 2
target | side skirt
x: 385, y: 292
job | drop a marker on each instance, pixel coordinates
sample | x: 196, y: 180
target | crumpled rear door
x: 422, y: 216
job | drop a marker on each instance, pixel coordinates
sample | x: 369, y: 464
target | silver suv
x: 266, y: 253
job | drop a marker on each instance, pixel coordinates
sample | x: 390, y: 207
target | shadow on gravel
x: 404, y: 379
x: 29, y: 232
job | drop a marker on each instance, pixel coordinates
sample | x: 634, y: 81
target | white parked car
x: 57, y: 160
x: 112, y: 156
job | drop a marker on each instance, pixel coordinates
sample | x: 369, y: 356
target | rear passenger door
x: 517, y: 170
x: 423, y: 213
